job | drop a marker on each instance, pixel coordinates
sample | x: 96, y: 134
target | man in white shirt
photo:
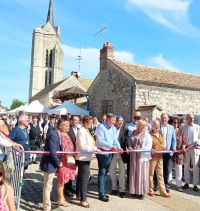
x: 4, y: 140
x: 169, y: 137
x: 191, y: 133
x: 118, y: 161
x: 50, y: 125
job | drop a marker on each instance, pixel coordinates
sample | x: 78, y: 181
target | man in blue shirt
x: 106, y: 139
x: 20, y: 135
x: 131, y: 126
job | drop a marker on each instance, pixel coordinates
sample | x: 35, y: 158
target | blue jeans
x: 104, y: 164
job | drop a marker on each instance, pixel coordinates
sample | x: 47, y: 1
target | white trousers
x: 179, y: 173
x: 117, y: 161
x: 33, y: 157
x: 170, y: 172
x: 191, y: 155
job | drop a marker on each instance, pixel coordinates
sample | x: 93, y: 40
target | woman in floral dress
x: 67, y: 171
x: 178, y: 157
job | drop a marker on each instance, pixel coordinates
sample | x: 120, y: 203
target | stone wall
x: 111, y: 85
x: 169, y: 99
x: 45, y: 38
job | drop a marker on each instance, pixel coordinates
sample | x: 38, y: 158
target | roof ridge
x: 85, y: 79
x: 156, y: 68
x: 158, y: 75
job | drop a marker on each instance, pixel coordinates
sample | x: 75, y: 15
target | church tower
x: 47, y: 55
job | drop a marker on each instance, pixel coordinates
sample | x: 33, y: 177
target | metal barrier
x: 14, y: 169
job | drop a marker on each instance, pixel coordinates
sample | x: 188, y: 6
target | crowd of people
x: 112, y: 142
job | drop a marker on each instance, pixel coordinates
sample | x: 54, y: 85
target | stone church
x: 123, y: 88
x: 46, y: 72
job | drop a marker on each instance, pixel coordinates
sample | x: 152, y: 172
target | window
x: 51, y: 58
x: 46, y: 76
x: 47, y: 58
x: 107, y: 106
x: 50, y: 78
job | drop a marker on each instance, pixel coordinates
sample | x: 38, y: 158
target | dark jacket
x: 50, y: 163
x: 34, y: 137
x: 72, y: 136
x: 123, y: 140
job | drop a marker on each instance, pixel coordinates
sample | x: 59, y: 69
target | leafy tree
x: 16, y: 103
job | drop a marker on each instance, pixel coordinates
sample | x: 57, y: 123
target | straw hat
x: 137, y: 113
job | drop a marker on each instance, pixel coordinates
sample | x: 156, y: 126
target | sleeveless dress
x: 66, y: 172
x: 139, y: 171
x: 3, y: 206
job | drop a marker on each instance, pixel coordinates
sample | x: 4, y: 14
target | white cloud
x: 160, y: 61
x: 124, y: 56
x: 173, y: 14
x: 89, y: 67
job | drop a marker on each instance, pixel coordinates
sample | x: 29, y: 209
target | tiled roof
x: 158, y: 75
x: 70, y: 91
x: 47, y: 90
x: 86, y: 83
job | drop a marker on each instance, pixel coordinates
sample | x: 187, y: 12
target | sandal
x: 85, y: 204
x: 63, y: 204
x: 151, y: 194
x: 167, y: 196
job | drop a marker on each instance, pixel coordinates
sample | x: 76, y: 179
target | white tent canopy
x: 68, y: 107
x: 16, y: 110
x: 35, y: 107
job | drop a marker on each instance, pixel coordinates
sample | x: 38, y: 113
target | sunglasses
x: 136, y: 117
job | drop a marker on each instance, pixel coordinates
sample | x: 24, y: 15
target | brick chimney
x: 75, y: 74
x: 106, y: 52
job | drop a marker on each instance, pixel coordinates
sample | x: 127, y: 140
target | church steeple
x: 50, y: 17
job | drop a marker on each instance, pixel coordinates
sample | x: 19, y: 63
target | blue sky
x: 162, y: 33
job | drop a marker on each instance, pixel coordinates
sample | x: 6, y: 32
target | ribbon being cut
x: 116, y: 151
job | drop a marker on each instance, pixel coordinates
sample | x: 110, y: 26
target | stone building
x: 48, y: 95
x: 47, y: 55
x: 122, y: 88
x: 47, y: 82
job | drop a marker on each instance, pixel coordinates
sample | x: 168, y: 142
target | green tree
x: 16, y: 103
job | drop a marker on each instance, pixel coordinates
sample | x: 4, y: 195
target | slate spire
x: 50, y: 17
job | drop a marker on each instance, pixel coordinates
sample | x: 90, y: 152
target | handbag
x: 70, y: 160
